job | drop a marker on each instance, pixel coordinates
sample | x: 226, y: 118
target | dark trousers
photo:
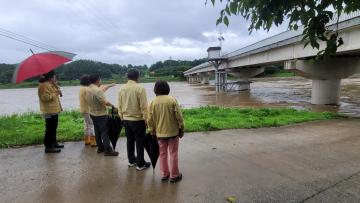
x: 101, y: 132
x: 135, y: 133
x: 51, y: 123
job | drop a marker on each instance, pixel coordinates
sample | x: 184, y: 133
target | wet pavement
x: 310, y: 162
x: 293, y: 92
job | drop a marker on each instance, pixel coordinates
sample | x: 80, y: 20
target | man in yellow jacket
x: 50, y: 108
x: 132, y: 110
x: 97, y: 107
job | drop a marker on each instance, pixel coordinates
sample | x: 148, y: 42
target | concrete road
x: 311, y: 162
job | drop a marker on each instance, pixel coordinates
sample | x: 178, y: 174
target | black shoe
x: 111, y: 153
x: 177, y: 179
x: 52, y: 150
x: 165, y: 178
x: 145, y: 166
x: 100, y: 150
x: 57, y: 145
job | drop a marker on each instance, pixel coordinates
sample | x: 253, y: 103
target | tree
x: 312, y: 14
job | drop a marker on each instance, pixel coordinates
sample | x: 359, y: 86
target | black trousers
x: 51, y: 124
x: 102, y: 132
x: 135, y: 133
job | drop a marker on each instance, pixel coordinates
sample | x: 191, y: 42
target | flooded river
x: 265, y: 92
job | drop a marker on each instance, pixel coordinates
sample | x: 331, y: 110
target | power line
x: 8, y: 32
x: 95, y: 19
x: 91, y: 5
x: 25, y: 42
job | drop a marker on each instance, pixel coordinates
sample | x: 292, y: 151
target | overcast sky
x: 120, y: 31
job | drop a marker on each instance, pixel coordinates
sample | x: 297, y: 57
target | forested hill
x: 173, y: 67
x: 74, y: 70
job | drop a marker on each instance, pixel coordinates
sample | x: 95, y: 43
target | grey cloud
x: 110, y: 30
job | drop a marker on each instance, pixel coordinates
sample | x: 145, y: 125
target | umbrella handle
x: 58, y: 88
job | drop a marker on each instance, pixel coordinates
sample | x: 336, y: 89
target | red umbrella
x: 39, y: 64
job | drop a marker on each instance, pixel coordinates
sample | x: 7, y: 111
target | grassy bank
x: 282, y: 73
x: 28, y: 128
x: 76, y: 82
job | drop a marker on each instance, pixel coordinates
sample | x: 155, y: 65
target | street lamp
x: 215, y: 58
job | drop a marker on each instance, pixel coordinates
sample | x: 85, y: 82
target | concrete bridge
x: 287, y: 49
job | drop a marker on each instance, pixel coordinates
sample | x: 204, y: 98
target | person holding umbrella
x: 43, y: 65
x: 50, y: 107
x: 98, y: 110
x: 165, y: 121
x: 132, y: 111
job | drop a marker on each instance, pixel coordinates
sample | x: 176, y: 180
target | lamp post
x: 214, y: 57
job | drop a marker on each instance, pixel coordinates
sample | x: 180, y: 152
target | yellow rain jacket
x: 49, y: 99
x: 132, y: 102
x: 165, y: 117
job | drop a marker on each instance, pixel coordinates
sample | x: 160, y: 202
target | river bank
x: 26, y: 129
x: 33, y: 84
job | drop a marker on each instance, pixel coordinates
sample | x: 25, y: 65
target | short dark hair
x: 161, y: 88
x: 133, y: 74
x: 93, y: 78
x: 85, y: 80
x: 46, y: 77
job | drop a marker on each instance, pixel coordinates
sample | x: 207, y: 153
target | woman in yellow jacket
x: 50, y: 107
x: 165, y: 120
x: 89, y: 133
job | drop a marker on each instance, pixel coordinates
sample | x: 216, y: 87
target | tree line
x: 73, y: 70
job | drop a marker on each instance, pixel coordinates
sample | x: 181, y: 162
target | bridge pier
x: 326, y: 76
x: 191, y: 79
x: 325, y: 91
x: 204, y: 78
x: 243, y: 76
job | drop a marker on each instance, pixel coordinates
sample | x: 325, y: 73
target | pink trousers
x: 171, y: 147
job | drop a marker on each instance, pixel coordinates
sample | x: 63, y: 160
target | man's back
x: 132, y: 102
x: 96, y: 100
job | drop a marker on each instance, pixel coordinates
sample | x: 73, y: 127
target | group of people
x: 162, y: 118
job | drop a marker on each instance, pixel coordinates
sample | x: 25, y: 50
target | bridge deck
x: 281, y: 39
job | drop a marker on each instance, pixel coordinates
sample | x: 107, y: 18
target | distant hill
x: 173, y: 67
x: 75, y: 69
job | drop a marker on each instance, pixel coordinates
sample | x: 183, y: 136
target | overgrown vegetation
x: 282, y: 73
x: 28, y: 128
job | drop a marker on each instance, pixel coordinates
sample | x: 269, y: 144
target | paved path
x: 312, y: 162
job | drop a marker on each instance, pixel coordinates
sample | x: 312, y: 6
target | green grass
x: 28, y: 128
x: 76, y: 82
x: 282, y: 73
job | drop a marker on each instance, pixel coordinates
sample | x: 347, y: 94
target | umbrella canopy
x: 151, y: 146
x: 114, y: 126
x: 39, y: 64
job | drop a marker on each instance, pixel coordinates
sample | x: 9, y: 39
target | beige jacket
x: 48, y: 98
x: 96, y: 100
x: 165, y: 117
x: 84, y: 106
x: 132, y: 102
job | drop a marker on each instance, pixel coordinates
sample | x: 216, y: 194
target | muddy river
x: 268, y: 92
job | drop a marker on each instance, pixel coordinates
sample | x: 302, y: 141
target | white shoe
x: 132, y: 164
x: 145, y: 166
